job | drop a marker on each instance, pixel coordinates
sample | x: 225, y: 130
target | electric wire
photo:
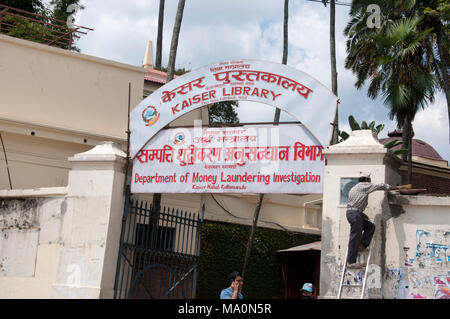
x: 6, y: 160
x: 273, y: 223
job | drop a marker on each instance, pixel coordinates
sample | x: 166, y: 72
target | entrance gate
x: 159, y: 252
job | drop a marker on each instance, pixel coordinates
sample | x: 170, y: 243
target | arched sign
x: 289, y: 89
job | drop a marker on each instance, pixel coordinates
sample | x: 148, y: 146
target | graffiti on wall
x: 426, y: 275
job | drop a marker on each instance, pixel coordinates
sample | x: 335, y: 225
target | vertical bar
x: 199, y: 230
x: 367, y: 271
x: 141, y: 239
x: 124, y: 218
x: 342, y: 276
x: 128, y: 250
x: 184, y: 231
x: 147, y: 233
x: 178, y: 230
x: 138, y: 207
x: 125, y: 239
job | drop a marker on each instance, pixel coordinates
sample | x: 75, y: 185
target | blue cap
x: 308, y: 287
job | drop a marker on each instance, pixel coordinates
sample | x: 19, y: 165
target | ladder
x: 365, y: 268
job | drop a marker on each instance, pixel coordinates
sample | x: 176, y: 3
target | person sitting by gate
x: 234, y: 291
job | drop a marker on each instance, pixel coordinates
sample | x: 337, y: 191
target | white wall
x: 30, y: 230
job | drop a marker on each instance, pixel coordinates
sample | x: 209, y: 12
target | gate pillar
x: 90, y: 233
x: 361, y: 152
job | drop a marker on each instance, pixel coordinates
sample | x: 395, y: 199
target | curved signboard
x: 289, y: 89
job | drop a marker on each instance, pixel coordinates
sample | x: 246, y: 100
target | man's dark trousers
x: 357, y: 236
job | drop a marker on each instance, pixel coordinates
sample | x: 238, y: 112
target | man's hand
x: 235, y: 286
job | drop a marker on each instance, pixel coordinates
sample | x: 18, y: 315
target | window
x: 346, y: 185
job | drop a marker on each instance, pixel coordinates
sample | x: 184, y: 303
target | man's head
x: 236, y: 276
x: 307, y: 290
x: 364, y: 177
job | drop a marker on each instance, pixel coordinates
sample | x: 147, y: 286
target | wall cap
x: 104, y: 151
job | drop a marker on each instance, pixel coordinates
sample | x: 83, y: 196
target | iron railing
x: 159, y: 253
x: 39, y: 28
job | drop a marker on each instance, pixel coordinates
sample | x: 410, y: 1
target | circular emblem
x: 179, y: 139
x: 150, y: 115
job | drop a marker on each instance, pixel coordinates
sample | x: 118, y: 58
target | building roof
x: 312, y: 246
x: 419, y: 147
x: 156, y: 76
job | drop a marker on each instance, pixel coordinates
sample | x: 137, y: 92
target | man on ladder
x: 362, y: 230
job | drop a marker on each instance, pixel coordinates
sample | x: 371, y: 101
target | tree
x: 62, y: 10
x: 170, y: 73
x: 392, y: 59
x: 334, y: 84
x: 174, y: 43
x: 33, y: 6
x: 276, y: 121
x: 285, y: 48
x: 159, y: 40
x: 437, y: 16
x: 41, y: 32
x: 223, y: 112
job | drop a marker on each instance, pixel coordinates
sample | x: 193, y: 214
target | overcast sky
x: 216, y: 30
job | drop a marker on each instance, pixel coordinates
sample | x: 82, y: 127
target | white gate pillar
x: 90, y: 232
x: 361, y: 152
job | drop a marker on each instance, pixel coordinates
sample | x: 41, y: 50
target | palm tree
x: 276, y: 121
x: 392, y: 58
x: 159, y: 40
x: 437, y: 16
x: 333, y: 67
x: 285, y: 49
x: 156, y: 204
x: 175, y: 37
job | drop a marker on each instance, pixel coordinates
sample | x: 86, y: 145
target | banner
x: 249, y: 159
x: 289, y: 89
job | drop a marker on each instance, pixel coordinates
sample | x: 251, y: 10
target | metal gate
x: 159, y: 252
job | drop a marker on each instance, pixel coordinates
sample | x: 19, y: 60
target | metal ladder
x: 344, y: 270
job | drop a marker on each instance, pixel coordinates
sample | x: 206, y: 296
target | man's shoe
x: 354, y: 266
x: 362, y: 249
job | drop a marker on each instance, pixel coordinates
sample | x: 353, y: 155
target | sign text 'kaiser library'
x: 281, y: 159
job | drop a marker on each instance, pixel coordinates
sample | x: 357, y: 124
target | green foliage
x: 355, y: 126
x: 40, y: 32
x: 223, y: 112
x: 28, y: 30
x: 33, y: 6
x: 223, y: 250
x: 60, y: 8
x: 179, y: 71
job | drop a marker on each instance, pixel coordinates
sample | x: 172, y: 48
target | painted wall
x: 402, y: 265
x: 30, y: 230
x: 418, y: 255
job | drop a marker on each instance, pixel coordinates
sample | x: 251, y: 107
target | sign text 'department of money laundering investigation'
x: 248, y: 159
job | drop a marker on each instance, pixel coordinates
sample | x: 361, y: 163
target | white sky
x: 216, y: 30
